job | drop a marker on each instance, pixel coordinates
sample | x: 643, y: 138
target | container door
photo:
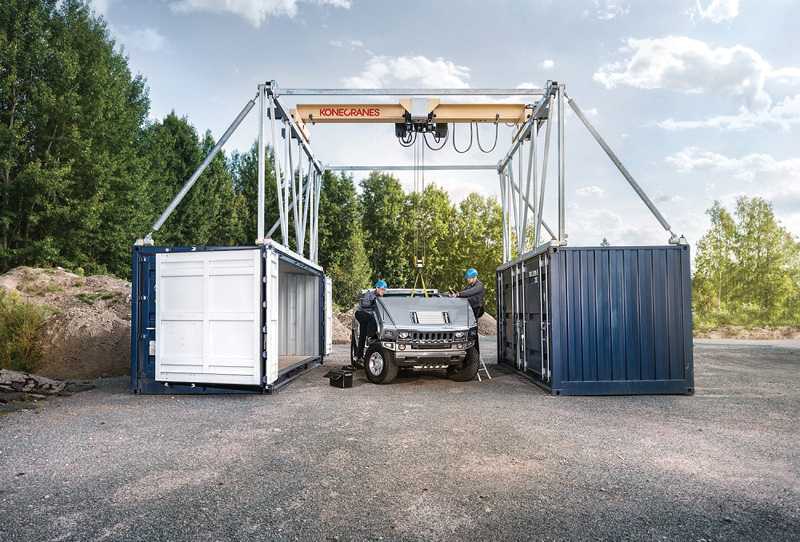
x: 328, y: 315
x: 208, y: 317
x: 271, y: 314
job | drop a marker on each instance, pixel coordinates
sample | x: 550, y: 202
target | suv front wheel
x: 468, y: 370
x: 379, y: 365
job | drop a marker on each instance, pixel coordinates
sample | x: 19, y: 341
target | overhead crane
x: 522, y: 172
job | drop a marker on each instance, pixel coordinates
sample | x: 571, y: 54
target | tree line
x: 747, y: 269
x: 84, y: 171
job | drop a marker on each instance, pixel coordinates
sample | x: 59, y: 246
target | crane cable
x: 419, y: 191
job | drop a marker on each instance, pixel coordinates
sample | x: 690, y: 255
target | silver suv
x: 419, y: 332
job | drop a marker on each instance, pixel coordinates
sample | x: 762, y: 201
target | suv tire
x: 468, y: 370
x: 379, y: 365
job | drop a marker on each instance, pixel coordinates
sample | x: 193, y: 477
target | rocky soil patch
x: 87, y: 334
x: 20, y: 390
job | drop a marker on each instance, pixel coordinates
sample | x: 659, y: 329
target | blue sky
x: 701, y: 99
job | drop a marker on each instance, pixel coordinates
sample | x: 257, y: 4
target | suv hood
x: 399, y: 310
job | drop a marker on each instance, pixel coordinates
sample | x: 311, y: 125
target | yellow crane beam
x: 397, y: 112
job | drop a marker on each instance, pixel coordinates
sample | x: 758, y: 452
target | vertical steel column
x: 278, y: 169
x: 513, y: 193
x: 504, y: 210
x: 522, y: 204
x: 532, y: 175
x: 562, y: 227
x: 319, y: 179
x: 539, y: 213
x: 260, y: 208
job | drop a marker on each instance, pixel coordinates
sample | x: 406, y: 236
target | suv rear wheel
x: 468, y: 370
x: 379, y: 365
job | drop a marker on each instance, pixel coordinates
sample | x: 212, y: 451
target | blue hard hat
x: 471, y: 273
x: 381, y: 284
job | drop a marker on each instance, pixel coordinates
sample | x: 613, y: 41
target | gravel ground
x: 424, y: 458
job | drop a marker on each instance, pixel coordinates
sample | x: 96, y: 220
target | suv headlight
x: 403, y: 335
x: 459, y: 335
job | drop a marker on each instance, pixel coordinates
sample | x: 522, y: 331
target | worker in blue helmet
x: 365, y: 314
x: 474, y: 293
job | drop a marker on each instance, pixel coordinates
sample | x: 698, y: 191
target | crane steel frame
x: 298, y: 178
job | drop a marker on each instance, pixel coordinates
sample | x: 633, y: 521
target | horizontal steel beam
x: 397, y: 112
x: 407, y: 91
x: 426, y: 167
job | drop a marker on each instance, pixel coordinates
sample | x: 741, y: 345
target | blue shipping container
x: 599, y: 320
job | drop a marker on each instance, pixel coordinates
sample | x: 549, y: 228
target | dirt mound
x: 341, y: 333
x: 487, y: 325
x: 751, y: 333
x: 346, y: 318
x: 87, y: 334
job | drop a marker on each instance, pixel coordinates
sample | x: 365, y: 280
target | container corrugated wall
x: 604, y: 320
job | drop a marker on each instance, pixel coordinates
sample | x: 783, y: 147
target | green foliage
x: 70, y: 116
x: 386, y: 225
x: 212, y: 213
x: 747, y: 269
x: 20, y: 324
x: 341, y: 240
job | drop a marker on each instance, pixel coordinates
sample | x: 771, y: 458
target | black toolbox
x: 340, y: 378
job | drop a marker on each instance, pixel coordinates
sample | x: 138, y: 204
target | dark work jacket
x: 368, y: 301
x: 475, y: 295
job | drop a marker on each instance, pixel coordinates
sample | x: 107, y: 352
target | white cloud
x: 606, y: 10
x: 547, y: 64
x: 254, y: 11
x: 783, y: 115
x: 352, y: 44
x: 748, y: 167
x: 591, y: 225
x: 381, y: 71
x: 762, y: 175
x: 691, y: 66
x: 668, y: 198
x: 717, y: 11
x: 590, y: 191
x: 144, y: 39
x: 694, y: 67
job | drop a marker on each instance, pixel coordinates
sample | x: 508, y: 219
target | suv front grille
x: 432, y: 337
